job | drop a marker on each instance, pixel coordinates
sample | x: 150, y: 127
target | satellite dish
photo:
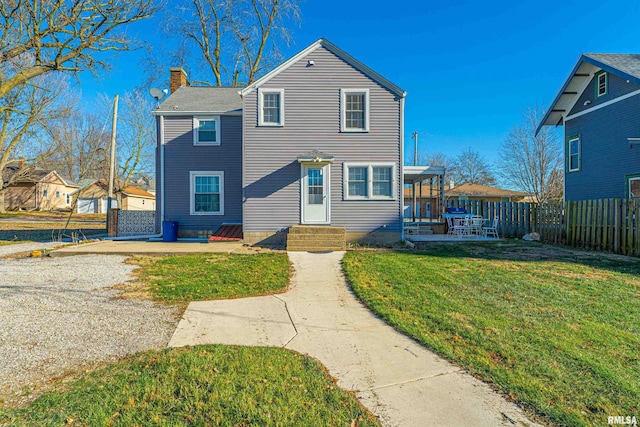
x: 156, y: 93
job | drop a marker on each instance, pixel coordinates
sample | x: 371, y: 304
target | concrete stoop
x: 303, y: 238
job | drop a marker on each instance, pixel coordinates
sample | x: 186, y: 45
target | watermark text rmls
x: 622, y: 421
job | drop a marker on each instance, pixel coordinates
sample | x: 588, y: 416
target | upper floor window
x: 271, y: 107
x: 602, y: 83
x: 369, y: 181
x: 355, y: 110
x: 206, y: 130
x: 573, y: 154
x: 57, y: 194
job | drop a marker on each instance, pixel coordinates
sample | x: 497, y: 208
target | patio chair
x: 460, y: 227
x: 450, y: 230
x: 491, y: 229
x: 476, y: 225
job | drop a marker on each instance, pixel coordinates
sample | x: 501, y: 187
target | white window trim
x: 196, y: 125
x: 606, y: 84
x: 629, y: 185
x: 261, y: 93
x: 192, y: 198
x: 369, y: 166
x: 579, y: 154
x: 343, y: 110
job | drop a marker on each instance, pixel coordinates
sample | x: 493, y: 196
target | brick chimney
x: 178, y: 79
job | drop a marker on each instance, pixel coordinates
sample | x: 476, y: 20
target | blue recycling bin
x: 170, y: 231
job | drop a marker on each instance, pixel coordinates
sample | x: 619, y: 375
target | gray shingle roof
x: 627, y: 63
x: 198, y: 99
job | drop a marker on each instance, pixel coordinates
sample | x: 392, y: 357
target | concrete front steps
x: 310, y: 238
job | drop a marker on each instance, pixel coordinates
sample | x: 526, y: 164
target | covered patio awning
x: 416, y: 174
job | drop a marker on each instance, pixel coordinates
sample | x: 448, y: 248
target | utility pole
x: 415, y: 148
x: 112, y: 158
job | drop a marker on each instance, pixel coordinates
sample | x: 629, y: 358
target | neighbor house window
x: 271, y: 107
x: 573, y: 154
x: 633, y: 185
x: 206, y: 131
x: 369, y: 181
x: 602, y: 83
x: 68, y: 199
x: 355, y: 110
x: 57, y: 194
x: 207, y: 193
x: 45, y: 193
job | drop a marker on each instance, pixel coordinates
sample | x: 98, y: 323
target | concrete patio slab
x: 112, y: 247
x: 401, y: 382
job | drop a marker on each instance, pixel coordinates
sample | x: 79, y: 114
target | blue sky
x: 471, y: 68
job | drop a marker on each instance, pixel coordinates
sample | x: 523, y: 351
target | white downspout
x: 162, y: 195
x: 401, y: 195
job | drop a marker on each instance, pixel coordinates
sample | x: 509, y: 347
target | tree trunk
x: 2, y: 207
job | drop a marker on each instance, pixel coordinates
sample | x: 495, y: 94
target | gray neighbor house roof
x: 201, y: 100
x: 626, y: 66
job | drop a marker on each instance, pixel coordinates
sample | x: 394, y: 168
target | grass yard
x: 185, y: 278
x: 552, y: 328
x: 198, y: 386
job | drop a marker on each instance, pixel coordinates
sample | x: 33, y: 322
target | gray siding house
x: 317, y: 141
x: 599, y: 106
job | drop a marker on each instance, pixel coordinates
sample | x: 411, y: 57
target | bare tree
x: 26, y: 115
x: 80, y: 141
x: 533, y: 163
x: 470, y: 167
x: 136, y: 137
x: 135, y: 140
x: 47, y: 38
x: 231, y: 39
x: 62, y: 35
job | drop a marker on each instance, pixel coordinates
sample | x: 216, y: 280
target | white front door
x: 315, y: 194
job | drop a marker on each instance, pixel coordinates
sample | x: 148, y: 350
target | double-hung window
x: 271, y: 107
x: 206, y: 130
x: 369, y: 181
x: 207, y: 193
x: 354, y: 104
x: 602, y: 83
x: 573, y: 154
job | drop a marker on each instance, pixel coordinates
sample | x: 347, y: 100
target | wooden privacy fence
x: 610, y: 225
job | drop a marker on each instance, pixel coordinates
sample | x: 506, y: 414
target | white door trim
x: 326, y: 166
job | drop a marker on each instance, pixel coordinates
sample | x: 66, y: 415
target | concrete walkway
x: 398, y: 380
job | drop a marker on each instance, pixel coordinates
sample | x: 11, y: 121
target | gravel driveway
x: 58, y: 313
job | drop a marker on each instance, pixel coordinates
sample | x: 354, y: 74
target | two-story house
x: 599, y: 106
x: 317, y: 142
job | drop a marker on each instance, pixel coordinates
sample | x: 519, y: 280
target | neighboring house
x: 599, y: 106
x: 461, y: 192
x: 317, y: 141
x: 93, y: 198
x: 38, y: 189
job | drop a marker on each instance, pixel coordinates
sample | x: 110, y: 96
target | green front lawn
x: 185, y: 278
x: 552, y: 328
x: 213, y: 385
